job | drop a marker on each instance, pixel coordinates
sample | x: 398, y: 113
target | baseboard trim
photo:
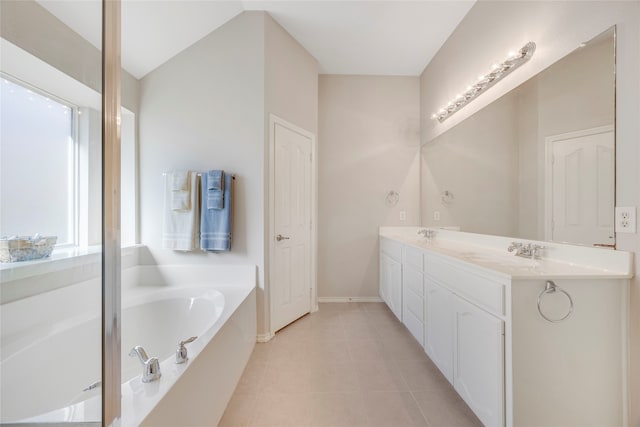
x: 264, y: 337
x: 349, y: 299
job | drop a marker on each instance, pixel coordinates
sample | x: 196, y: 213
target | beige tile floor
x: 349, y: 364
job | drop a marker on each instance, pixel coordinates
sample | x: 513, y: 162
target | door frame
x: 548, y: 168
x: 271, y: 232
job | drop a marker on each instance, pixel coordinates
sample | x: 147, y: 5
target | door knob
x: 280, y: 237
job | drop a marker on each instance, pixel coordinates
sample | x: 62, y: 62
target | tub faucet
x: 181, y: 352
x: 151, y: 366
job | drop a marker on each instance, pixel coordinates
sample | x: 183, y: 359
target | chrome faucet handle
x: 181, y: 352
x: 427, y: 232
x: 535, y: 250
x: 514, y: 246
x: 151, y: 365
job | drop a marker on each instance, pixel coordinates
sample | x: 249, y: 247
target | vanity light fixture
x: 485, y: 81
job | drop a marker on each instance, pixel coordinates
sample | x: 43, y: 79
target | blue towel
x: 215, y: 224
x: 215, y: 199
x: 215, y: 190
x: 215, y: 179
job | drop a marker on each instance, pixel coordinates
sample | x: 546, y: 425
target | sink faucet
x: 529, y: 250
x: 535, y: 251
x: 515, y: 246
x: 151, y: 365
x: 428, y: 233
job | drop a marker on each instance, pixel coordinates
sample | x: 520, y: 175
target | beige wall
x: 491, y: 29
x: 291, y: 78
x: 204, y: 109
x: 530, y: 222
x: 368, y: 145
x: 208, y: 108
x: 478, y: 163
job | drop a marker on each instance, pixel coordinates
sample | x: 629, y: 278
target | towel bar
x: 199, y: 174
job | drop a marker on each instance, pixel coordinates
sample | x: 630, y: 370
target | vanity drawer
x: 412, y: 279
x: 412, y: 257
x: 414, y: 304
x: 392, y: 248
x: 412, y: 315
x: 476, y: 288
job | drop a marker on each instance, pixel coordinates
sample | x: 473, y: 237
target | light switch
x: 403, y: 215
x: 436, y: 215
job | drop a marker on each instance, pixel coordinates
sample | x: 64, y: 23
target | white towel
x: 180, y: 200
x: 179, y: 180
x: 179, y: 230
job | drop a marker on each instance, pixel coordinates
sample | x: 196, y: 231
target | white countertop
x: 559, y: 261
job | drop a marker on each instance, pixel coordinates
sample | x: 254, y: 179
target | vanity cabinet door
x: 385, y: 277
x: 439, y: 326
x: 391, y: 284
x: 413, y: 302
x: 396, y: 288
x: 478, y: 369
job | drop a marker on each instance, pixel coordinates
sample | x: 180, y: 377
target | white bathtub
x: 45, y: 365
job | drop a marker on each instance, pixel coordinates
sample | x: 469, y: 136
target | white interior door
x: 291, y: 276
x: 583, y: 189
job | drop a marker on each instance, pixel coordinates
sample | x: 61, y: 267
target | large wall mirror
x: 537, y: 163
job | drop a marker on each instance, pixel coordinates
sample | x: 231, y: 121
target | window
x: 51, y: 164
x: 38, y: 164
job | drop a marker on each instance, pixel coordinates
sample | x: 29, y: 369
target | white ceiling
x: 346, y: 37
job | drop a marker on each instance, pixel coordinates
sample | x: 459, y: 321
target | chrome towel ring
x: 392, y: 197
x: 550, y: 288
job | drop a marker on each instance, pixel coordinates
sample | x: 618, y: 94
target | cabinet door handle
x: 280, y: 237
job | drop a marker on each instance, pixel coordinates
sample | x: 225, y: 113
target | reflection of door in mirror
x: 580, y: 187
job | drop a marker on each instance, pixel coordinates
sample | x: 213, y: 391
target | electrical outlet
x: 626, y: 219
x: 403, y: 215
x: 436, y: 215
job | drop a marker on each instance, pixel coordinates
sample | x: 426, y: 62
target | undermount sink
x: 504, y: 261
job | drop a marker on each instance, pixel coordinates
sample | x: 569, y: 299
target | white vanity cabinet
x: 483, y: 324
x: 391, y: 275
x: 466, y: 341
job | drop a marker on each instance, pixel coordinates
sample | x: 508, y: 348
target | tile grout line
x: 424, y: 416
